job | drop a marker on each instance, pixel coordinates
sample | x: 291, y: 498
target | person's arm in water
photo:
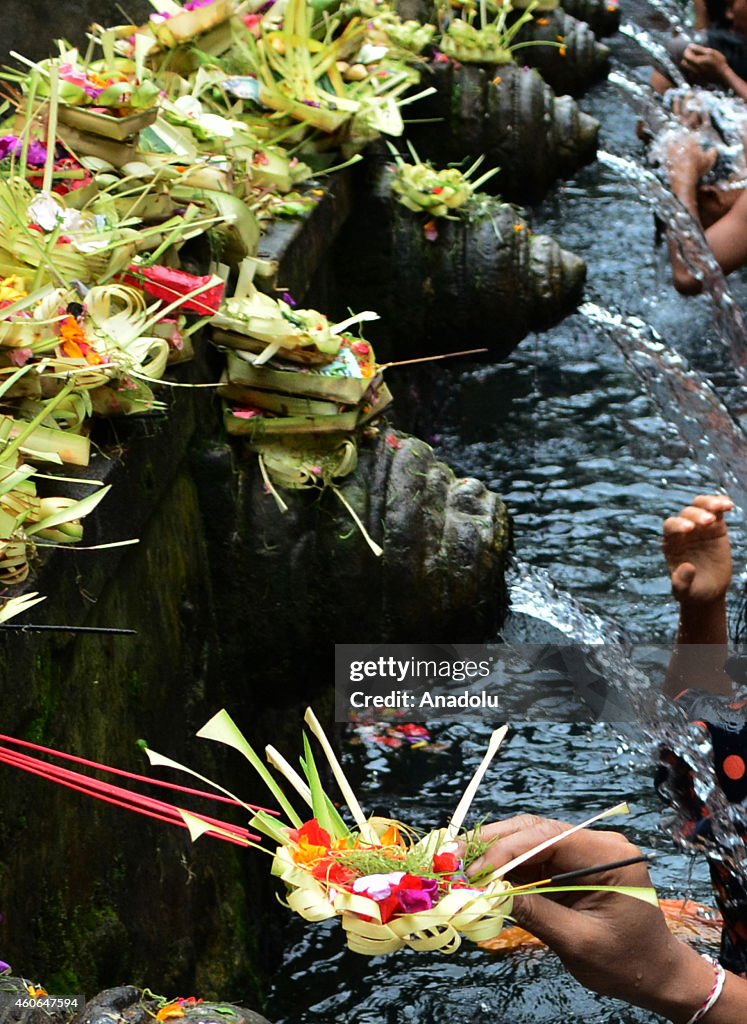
x: 615, y: 945
x: 686, y: 163
x: 698, y: 552
x: 703, y: 65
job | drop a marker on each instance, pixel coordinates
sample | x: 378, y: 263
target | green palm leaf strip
x: 223, y: 729
x: 77, y: 511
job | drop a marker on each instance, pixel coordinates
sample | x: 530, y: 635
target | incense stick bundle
x: 125, y: 798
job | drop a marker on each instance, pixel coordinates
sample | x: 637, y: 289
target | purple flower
x: 12, y: 145
x: 430, y: 885
x: 4, y: 968
x: 287, y: 297
x: 413, y: 901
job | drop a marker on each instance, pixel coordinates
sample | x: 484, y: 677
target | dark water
x: 589, y: 464
x: 587, y: 461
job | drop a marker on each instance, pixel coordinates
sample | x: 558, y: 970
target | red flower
x: 331, y: 871
x: 313, y: 832
x: 445, y: 863
x: 389, y: 907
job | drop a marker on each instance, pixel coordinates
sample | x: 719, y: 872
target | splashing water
x: 724, y: 123
x: 659, y: 53
x: 694, y: 250
x: 644, y: 101
x: 684, y: 397
x: 599, y: 649
x: 532, y: 592
x: 670, y: 10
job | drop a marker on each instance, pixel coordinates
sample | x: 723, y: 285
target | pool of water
x: 587, y: 461
x: 589, y: 465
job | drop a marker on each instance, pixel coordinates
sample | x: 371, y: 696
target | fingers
x: 683, y: 578
x: 706, y: 511
x: 551, y: 922
x: 694, y: 50
x: 517, y: 836
x: 715, y: 503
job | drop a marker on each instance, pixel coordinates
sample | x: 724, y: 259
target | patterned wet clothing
x: 726, y: 725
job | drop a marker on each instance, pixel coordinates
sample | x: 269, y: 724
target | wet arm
x: 698, y: 552
x: 703, y: 65
x: 727, y: 237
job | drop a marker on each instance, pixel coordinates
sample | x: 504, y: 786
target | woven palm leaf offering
x: 113, y: 97
x: 402, y: 38
x: 423, y: 188
x: 175, y: 23
x: 490, y: 42
x: 25, y: 517
x: 304, y: 71
x: 258, y: 323
x: 43, y: 240
x: 390, y: 886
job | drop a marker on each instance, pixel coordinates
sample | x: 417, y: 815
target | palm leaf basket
x: 389, y: 887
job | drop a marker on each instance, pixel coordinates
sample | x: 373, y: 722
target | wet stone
x: 124, y: 1004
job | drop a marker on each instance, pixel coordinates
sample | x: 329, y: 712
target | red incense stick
x: 120, y: 797
x: 132, y: 775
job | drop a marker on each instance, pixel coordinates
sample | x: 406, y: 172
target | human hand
x: 686, y: 107
x: 683, y: 155
x: 703, y: 64
x: 614, y: 944
x: 698, y: 550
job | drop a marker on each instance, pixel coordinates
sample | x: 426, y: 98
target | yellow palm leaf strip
x: 28, y: 428
x: 505, y: 868
x: 342, y: 47
x: 335, y: 78
x: 376, y: 548
x: 457, y: 818
x: 287, y: 770
x: 51, y: 128
x: 366, y: 829
x: 295, y: 29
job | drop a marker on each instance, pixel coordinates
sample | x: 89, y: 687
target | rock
x: 485, y: 277
x: 602, y: 15
x: 570, y: 68
x: 31, y: 29
x: 509, y: 115
x: 124, y: 1004
x: 309, y: 572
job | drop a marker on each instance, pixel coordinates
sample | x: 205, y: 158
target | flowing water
x: 592, y: 432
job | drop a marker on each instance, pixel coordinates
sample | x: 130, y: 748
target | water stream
x: 592, y: 432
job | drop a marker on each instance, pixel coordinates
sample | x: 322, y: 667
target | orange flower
x: 392, y: 837
x: 171, y: 1011
x: 518, y: 228
x: 308, y: 853
x: 74, y: 343
x: 542, y: 21
x: 313, y: 842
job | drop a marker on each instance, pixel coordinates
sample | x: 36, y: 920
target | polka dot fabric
x: 726, y: 723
